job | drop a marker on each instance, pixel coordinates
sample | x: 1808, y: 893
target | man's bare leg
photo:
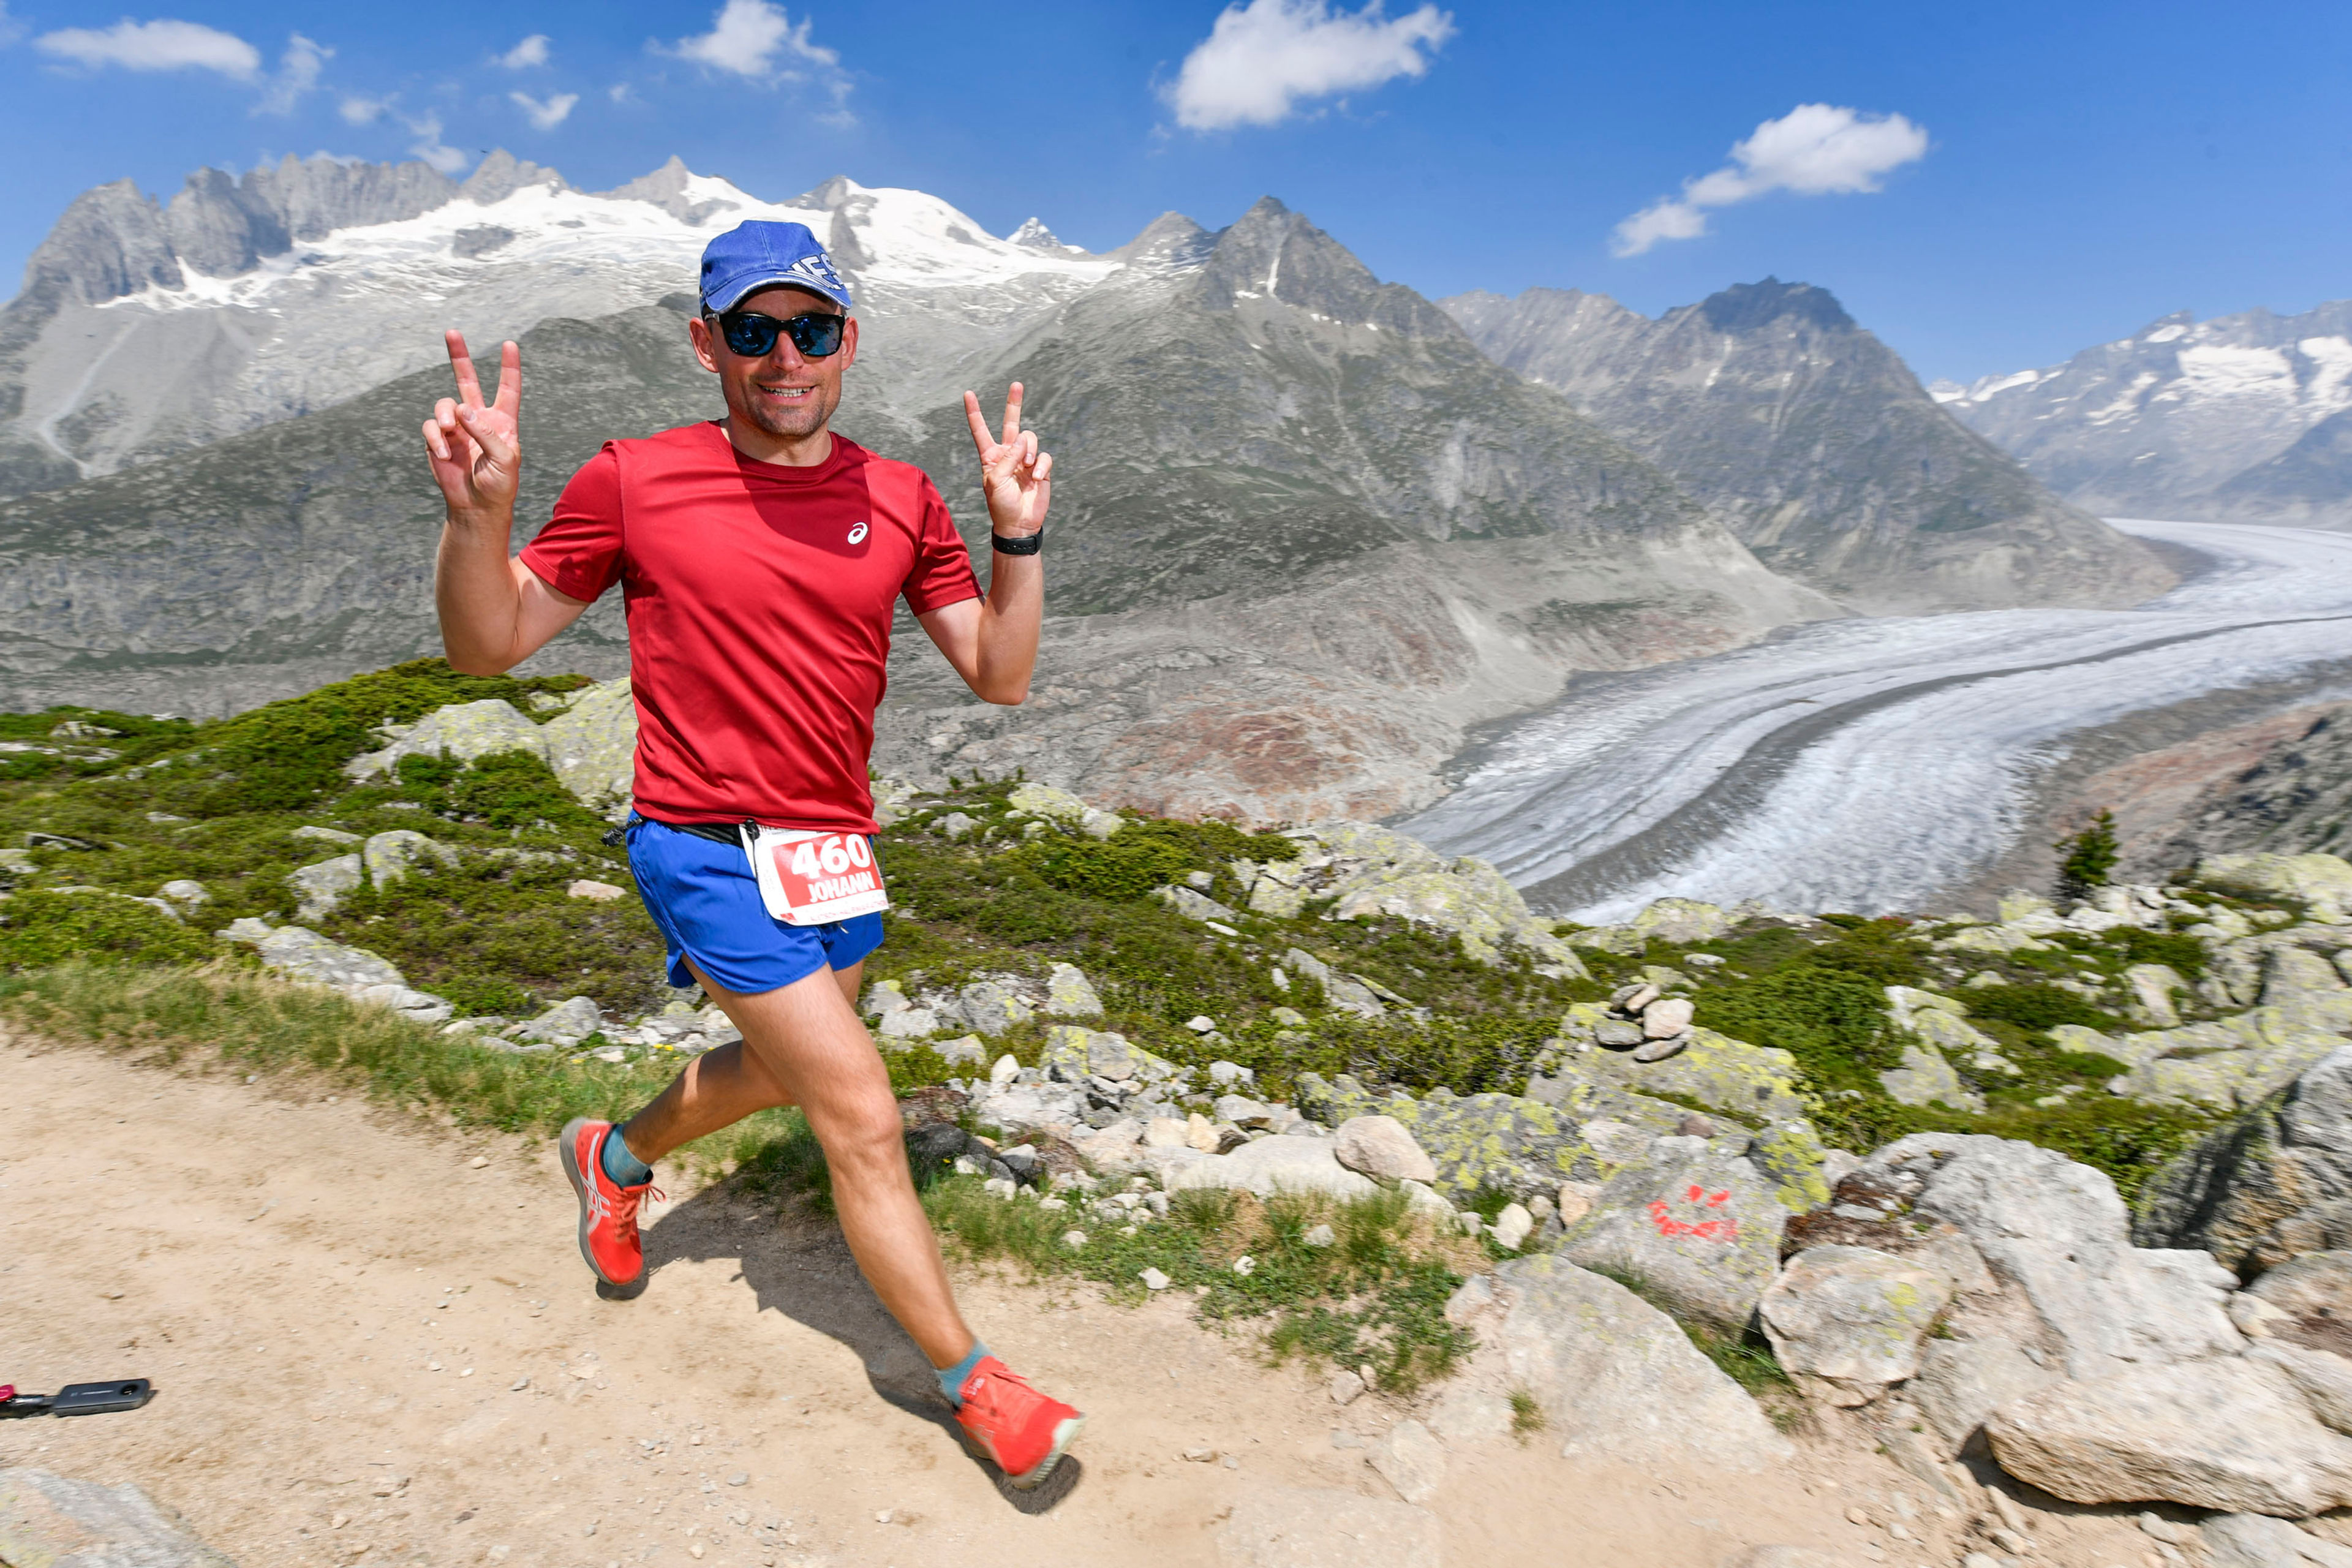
x: 804, y: 1045
x: 717, y: 1090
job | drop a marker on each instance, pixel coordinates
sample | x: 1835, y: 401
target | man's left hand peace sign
x: 1016, y: 478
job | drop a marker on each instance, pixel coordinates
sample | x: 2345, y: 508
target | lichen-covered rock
x: 321, y: 885
x: 2231, y: 1433
x: 2262, y: 1188
x: 2232, y: 1064
x: 1070, y: 995
x: 993, y: 1007
x: 1268, y: 1166
x: 1683, y: 922
x: 1371, y: 872
x: 463, y: 731
x: 2320, y: 881
x: 567, y: 1023
x: 1853, y: 1317
x: 593, y: 744
x: 49, y: 1521
x: 2153, y: 987
x: 1927, y: 1078
x: 1700, y: 1232
x: 1195, y: 905
x: 1346, y: 992
x: 1616, y: 1378
x: 388, y: 855
x: 1754, y: 1085
x: 1060, y: 806
x: 301, y: 954
x: 1524, y: 1146
x: 1072, y: 1053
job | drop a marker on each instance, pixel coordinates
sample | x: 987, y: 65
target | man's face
x: 781, y: 392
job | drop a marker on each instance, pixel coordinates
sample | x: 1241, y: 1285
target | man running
x: 761, y: 558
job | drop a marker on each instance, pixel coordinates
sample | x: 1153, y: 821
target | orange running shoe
x: 1005, y: 1420
x: 608, y: 1210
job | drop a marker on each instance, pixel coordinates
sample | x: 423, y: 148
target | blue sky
x: 1986, y: 186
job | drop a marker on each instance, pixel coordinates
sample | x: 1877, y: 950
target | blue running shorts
x: 703, y: 896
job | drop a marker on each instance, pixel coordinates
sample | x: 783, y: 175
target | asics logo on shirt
x: 857, y: 534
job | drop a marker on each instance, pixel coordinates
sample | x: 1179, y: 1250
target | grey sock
x: 623, y: 1168
x: 951, y: 1378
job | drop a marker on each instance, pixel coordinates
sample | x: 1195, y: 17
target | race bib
x: 814, y: 879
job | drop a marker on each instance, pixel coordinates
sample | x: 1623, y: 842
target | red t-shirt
x: 759, y: 600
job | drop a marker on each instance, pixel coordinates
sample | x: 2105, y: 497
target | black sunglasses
x: 754, y: 336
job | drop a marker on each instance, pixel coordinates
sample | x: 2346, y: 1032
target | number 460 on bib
x: 813, y: 878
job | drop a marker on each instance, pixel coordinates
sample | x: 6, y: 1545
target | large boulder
x: 1381, y: 1148
x: 1696, y: 1231
x: 1962, y: 1382
x: 1852, y: 1318
x: 463, y: 731
x: 2055, y: 1231
x: 2233, y: 1063
x: 593, y: 744
x: 2264, y: 1186
x: 299, y: 953
x: 1525, y: 1146
x: 1754, y: 1086
x: 49, y: 1521
x: 2230, y: 1433
x: 2322, y: 881
x: 320, y: 886
x: 2258, y: 1541
x: 1266, y: 1167
x: 389, y: 857
x: 2315, y: 1285
x: 1616, y: 1378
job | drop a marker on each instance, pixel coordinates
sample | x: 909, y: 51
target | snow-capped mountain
x: 1814, y: 440
x: 2187, y: 419
x: 144, y: 329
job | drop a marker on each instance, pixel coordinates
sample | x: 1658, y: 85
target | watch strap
x: 1026, y: 545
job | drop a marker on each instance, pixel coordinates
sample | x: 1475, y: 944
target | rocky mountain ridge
x: 1768, y: 403
x: 2240, y: 419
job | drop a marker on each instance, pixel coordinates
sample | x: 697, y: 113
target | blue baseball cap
x: 759, y: 255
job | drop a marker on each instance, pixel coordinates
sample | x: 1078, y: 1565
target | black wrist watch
x: 1027, y: 544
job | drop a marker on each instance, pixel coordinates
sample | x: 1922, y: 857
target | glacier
x: 1869, y: 764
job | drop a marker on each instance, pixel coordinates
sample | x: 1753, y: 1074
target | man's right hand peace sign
x: 475, y: 450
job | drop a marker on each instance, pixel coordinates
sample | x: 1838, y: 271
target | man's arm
x: 495, y: 612
x: 993, y: 642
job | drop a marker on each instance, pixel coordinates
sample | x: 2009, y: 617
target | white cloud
x: 159, y: 45
x: 11, y: 30
x: 546, y: 116
x: 755, y: 38
x: 358, y: 111
x: 532, y: 51
x: 429, y: 146
x: 298, y: 73
x: 1261, y: 58
x: 1814, y: 150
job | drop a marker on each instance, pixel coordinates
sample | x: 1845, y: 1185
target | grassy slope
x: 219, y: 803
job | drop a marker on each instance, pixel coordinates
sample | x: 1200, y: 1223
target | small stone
x: 1154, y: 1281
x: 1321, y: 1235
x: 1199, y: 1023
x: 1233, y: 1462
x: 477, y: 1163
x: 1345, y: 1386
x: 1411, y: 1459
x: 1006, y: 1069
x: 1073, y: 1239
x: 738, y: 1479
x: 602, y: 893
x: 1575, y: 1200
x: 1245, y: 1265
x: 1630, y: 1000
x: 1618, y: 1034
x: 1512, y: 1225
x: 1659, y: 1050
x: 1381, y: 1147
x: 955, y: 825
x: 1665, y: 1020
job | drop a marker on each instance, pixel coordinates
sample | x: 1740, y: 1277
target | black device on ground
x: 78, y: 1398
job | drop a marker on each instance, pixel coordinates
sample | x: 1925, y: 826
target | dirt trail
x: 369, y: 1350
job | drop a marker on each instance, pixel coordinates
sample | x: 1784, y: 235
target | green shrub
x: 2037, y: 1007
x: 39, y: 929
x: 2091, y: 856
x: 1832, y: 1020
x: 1143, y: 856
x: 2185, y: 955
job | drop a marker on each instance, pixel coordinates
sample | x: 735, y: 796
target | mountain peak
x: 1171, y: 239
x: 1748, y: 307
x: 679, y: 192
x: 1034, y: 236
x: 501, y: 174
